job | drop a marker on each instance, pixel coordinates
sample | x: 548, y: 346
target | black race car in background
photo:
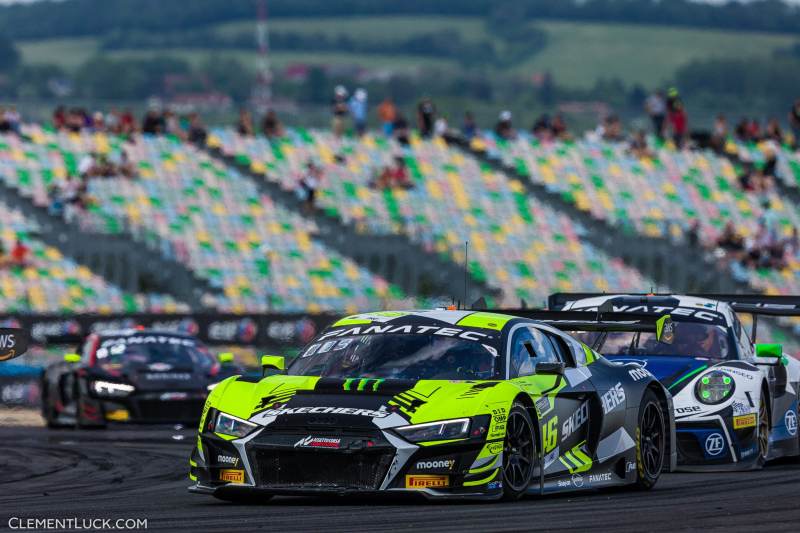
x: 134, y: 375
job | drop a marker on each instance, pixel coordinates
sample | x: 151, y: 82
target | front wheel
x: 650, y: 442
x: 519, y: 453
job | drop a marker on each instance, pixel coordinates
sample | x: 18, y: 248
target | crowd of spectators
x: 765, y: 249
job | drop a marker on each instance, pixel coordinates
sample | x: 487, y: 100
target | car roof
x: 133, y: 332
x: 463, y: 318
x: 665, y: 300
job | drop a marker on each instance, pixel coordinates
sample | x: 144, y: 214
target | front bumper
x: 347, y: 462
x: 714, y: 445
x: 154, y: 407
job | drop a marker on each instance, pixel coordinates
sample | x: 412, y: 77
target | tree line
x: 95, y: 17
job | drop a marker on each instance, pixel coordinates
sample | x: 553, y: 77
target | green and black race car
x: 450, y: 404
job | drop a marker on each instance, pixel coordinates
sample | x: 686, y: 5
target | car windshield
x: 691, y: 339
x: 397, y: 357
x: 161, y: 352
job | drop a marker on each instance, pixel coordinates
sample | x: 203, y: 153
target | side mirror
x: 550, y: 369
x: 272, y: 362
x: 225, y: 358
x: 771, y: 354
x: 72, y: 358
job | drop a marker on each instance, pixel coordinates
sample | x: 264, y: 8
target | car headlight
x: 211, y: 386
x: 714, y: 387
x: 230, y: 425
x: 108, y: 388
x: 442, y: 430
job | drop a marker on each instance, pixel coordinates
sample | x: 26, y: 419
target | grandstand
x: 258, y: 254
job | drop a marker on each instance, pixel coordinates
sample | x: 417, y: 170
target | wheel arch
x: 527, y: 402
x: 665, y: 401
x: 765, y: 397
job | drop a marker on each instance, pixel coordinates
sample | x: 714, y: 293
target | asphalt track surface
x: 142, y: 473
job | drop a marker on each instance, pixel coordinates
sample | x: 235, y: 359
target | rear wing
x: 604, y: 322
x: 752, y: 304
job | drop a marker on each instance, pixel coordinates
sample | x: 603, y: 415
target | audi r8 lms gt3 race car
x: 444, y: 403
x: 132, y: 376
x: 735, y: 401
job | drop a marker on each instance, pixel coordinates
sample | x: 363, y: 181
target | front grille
x: 321, y: 469
x: 170, y: 411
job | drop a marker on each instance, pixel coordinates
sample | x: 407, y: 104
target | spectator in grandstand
x: 719, y: 135
x: 392, y: 176
x: 127, y: 123
x: 731, y: 241
x: 401, y: 130
x: 153, y: 123
x: 308, y: 185
x: 126, y: 167
x: 5, y: 260
x: 559, y: 127
x: 358, y: 110
x: 19, y: 254
x: 197, y: 130
x: 60, y: 118
x: 610, y: 129
x: 98, y: 122
x: 656, y: 107
x: 87, y: 166
x: 794, y: 122
x: 172, y: 124
x: 741, y: 131
x: 693, y: 234
x: 339, y: 109
x: 387, y: 114
x: 244, y: 126
x: 10, y: 120
x: 271, y: 126
x: 542, y: 129
x: 113, y: 121
x: 56, y: 200
x: 504, y: 129
x: 440, y: 126
x: 426, y: 116
x: 638, y: 147
x: 469, y: 129
x: 773, y: 132
x: 679, y: 122
x: 753, y: 130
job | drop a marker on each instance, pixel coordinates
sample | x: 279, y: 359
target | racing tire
x: 519, y: 453
x: 762, y: 433
x: 651, y: 442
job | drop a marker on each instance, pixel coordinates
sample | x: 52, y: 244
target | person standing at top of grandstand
x: 387, y: 113
x: 339, y: 109
x: 244, y: 126
x: 309, y: 183
x: 470, y: 128
x: 679, y: 123
x: 773, y: 132
x: 60, y: 118
x: 153, y: 123
x: 426, y: 116
x: 271, y: 126
x: 794, y: 122
x: 656, y: 107
x: 197, y: 130
x: 400, y: 130
x: 358, y: 110
x: 504, y: 129
x: 719, y: 134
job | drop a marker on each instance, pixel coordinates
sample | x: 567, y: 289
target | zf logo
x: 714, y: 444
x: 790, y: 419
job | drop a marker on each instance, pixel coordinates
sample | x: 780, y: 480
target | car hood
x: 674, y: 372
x: 355, y: 401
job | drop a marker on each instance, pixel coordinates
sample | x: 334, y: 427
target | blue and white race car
x: 736, y: 402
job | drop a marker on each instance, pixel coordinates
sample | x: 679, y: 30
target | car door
x: 560, y: 400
